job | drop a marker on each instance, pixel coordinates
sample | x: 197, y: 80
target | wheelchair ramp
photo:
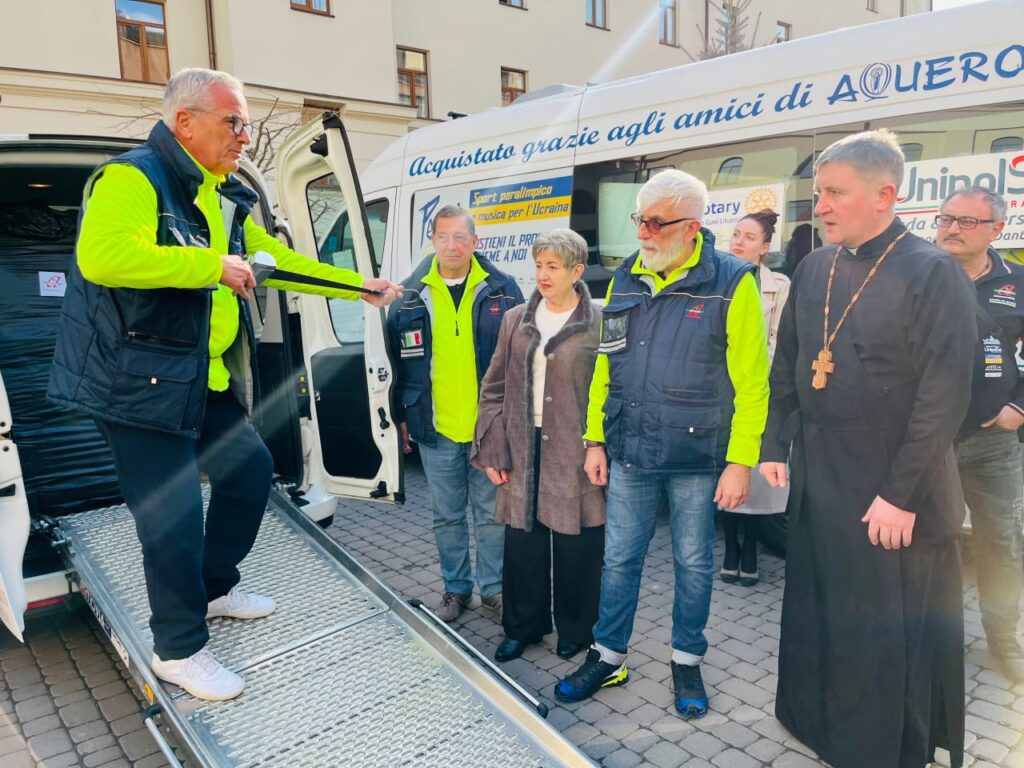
x: 344, y: 673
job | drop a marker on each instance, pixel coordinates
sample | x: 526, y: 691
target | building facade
x: 98, y: 66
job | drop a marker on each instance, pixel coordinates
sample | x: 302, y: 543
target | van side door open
x: 14, y: 525
x: 350, y: 442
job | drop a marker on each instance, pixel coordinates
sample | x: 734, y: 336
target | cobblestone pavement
x: 65, y: 701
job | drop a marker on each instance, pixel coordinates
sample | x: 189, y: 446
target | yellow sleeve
x: 258, y: 239
x: 746, y: 357
x: 598, y: 391
x: 117, y: 245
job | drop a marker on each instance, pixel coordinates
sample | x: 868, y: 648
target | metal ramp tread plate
x: 333, y: 677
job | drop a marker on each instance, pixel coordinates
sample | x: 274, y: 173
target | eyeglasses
x: 237, y: 124
x: 654, y: 225
x: 965, y: 222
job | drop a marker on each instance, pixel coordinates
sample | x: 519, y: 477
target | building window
x: 513, y: 85
x: 667, y: 22
x: 313, y: 6
x: 783, y: 32
x: 142, y: 40
x: 597, y: 13
x: 1008, y: 144
x: 729, y: 171
x: 413, y: 82
x: 513, y: 3
x: 912, y: 151
x: 873, y: 6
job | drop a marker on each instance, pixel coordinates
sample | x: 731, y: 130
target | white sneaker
x: 241, y: 605
x: 201, y: 675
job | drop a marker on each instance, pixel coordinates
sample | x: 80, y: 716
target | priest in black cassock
x: 870, y: 382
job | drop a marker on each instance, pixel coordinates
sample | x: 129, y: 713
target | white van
x: 950, y: 83
x: 345, y: 665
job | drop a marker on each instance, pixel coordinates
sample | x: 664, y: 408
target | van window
x: 331, y: 226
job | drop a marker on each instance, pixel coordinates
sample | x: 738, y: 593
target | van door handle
x: 384, y: 423
x: 8, y: 490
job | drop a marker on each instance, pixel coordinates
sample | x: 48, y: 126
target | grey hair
x: 996, y: 202
x: 569, y: 246
x: 874, y: 152
x: 683, y: 189
x: 190, y: 89
x: 453, y: 211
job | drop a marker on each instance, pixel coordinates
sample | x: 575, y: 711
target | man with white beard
x: 678, y: 403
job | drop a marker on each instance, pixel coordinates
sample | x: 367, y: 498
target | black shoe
x: 592, y: 675
x: 567, y: 649
x: 509, y: 649
x: 749, y: 579
x: 729, y: 577
x: 691, y: 699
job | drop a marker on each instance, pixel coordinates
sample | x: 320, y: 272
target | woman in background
x: 533, y: 403
x: 750, y: 241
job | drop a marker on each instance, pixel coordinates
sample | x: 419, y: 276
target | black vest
x: 141, y: 357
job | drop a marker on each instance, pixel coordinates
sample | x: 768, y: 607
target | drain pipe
x: 210, y: 44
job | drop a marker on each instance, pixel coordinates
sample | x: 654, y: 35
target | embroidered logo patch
x: 495, y: 308
x: 412, y: 343
x: 696, y: 311
x: 613, y: 333
x: 1006, y: 295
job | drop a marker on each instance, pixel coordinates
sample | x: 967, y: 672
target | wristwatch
x: 592, y: 443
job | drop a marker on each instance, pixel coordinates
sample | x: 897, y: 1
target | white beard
x: 656, y: 261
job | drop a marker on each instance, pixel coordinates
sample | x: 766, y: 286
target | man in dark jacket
x: 157, y: 345
x: 447, y: 329
x: 987, y: 448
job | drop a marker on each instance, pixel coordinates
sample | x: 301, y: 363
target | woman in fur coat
x: 533, y: 403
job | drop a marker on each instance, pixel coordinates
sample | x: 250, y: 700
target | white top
x: 548, y: 323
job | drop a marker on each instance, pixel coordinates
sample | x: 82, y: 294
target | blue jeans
x: 453, y: 481
x: 634, y: 499
x: 989, y: 463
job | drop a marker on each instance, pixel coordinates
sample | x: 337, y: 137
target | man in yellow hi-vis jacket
x: 164, y: 362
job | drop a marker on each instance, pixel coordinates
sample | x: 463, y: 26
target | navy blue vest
x: 670, y: 399
x: 141, y: 357
x: 409, y: 329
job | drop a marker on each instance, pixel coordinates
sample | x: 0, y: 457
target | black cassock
x: 871, y: 659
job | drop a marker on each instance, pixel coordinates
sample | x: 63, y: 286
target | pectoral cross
x: 823, y: 366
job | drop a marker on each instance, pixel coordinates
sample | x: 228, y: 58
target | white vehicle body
x: 950, y: 83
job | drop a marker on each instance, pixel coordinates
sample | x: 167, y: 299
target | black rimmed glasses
x: 654, y: 225
x: 237, y: 124
x: 964, y: 222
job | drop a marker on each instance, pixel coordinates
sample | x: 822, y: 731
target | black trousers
x: 185, y: 566
x: 527, y: 583
x: 527, y: 578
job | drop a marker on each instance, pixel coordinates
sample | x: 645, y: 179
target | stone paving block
x: 581, y: 732
x: 49, y: 744
x: 733, y: 758
x: 620, y: 699
x: 616, y: 726
x: 592, y: 710
x: 103, y: 757
x: 97, y: 743
x: 64, y: 760
x: 30, y: 709
x: 651, y: 691
x: 735, y: 734
x: 989, y: 730
x: 107, y: 690
x: 748, y: 693
x: 986, y: 749
x: 622, y: 758
x: 152, y: 761
x: 119, y: 706
x: 79, y: 713
x: 672, y: 728
x: 997, y: 714
x: 20, y: 759
x: 75, y: 697
x: 600, y: 746
x: 11, y: 744
x: 40, y: 725
x: 87, y: 731
x: 138, y: 744
x: 794, y: 760
x: 646, y: 714
x: 67, y: 686
x: 126, y: 724
x: 703, y: 745
x: 765, y: 750
x: 666, y: 755
x: 640, y: 740
x: 28, y: 692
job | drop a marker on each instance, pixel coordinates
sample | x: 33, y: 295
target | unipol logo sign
x: 928, y: 182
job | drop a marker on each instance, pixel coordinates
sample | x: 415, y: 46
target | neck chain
x: 823, y: 365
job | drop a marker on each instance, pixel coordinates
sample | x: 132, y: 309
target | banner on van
x: 728, y: 206
x: 509, y: 215
x: 927, y: 183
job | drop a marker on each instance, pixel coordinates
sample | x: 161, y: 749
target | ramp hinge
x: 380, y: 491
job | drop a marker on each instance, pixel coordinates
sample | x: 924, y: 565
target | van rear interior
x: 345, y: 670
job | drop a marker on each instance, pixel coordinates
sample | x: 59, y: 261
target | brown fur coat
x: 566, y: 500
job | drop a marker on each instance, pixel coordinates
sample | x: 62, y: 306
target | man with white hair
x: 870, y: 382
x: 677, y: 403
x: 157, y: 344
